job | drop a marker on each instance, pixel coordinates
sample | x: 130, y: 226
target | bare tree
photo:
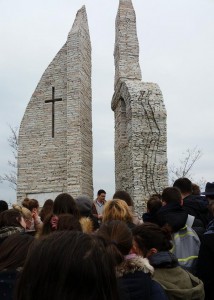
x: 11, y: 176
x: 186, y: 164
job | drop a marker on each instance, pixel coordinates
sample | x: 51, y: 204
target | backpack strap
x: 190, y: 220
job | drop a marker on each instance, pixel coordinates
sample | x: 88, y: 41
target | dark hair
x: 101, y: 192
x: 118, y: 237
x: 68, y: 222
x: 65, y: 204
x: 150, y: 235
x: 184, y: 185
x: 123, y: 195
x: 10, y: 217
x: 195, y: 189
x: 30, y: 203
x: 13, y: 251
x: 46, y: 209
x: 3, y: 205
x: 154, y: 203
x: 68, y: 265
x: 171, y: 194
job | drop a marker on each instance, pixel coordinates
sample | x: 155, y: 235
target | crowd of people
x: 83, y: 249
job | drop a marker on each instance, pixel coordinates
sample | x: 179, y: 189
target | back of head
x: 196, y: 189
x: 10, y: 217
x: 123, y: 195
x: 68, y: 222
x: 30, y: 204
x: 150, y: 235
x: 84, y: 205
x: 117, y: 210
x: 24, y: 211
x: 171, y: 195
x: 46, y: 209
x: 154, y: 204
x: 3, y: 205
x: 13, y: 251
x: 68, y: 265
x: 65, y: 204
x: 118, y: 238
x: 184, y: 185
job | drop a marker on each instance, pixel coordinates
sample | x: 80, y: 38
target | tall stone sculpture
x: 55, y: 136
x: 140, y: 117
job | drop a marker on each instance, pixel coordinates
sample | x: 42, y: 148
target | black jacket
x: 172, y: 214
x: 197, y: 207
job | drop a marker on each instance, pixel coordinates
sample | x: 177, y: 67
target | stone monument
x: 55, y: 136
x: 140, y: 117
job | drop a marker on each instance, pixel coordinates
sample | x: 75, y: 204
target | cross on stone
x: 53, y: 100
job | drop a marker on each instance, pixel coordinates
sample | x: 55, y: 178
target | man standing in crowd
x: 194, y: 205
x: 98, y: 204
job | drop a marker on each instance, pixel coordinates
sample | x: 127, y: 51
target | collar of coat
x: 133, y: 264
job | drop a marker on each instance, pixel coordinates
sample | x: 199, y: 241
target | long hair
x: 65, y: 204
x: 118, y: 237
x: 46, y: 209
x: 68, y: 265
x: 150, y: 235
x: 117, y: 210
x: 13, y: 251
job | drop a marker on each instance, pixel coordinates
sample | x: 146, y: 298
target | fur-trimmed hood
x: 134, y: 263
x: 87, y: 224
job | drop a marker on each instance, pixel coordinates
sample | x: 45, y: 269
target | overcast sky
x: 176, y: 51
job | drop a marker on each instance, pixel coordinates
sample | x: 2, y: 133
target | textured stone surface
x: 140, y: 118
x: 62, y: 163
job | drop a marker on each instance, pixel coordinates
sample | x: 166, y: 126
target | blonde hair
x: 117, y: 210
x: 26, y: 213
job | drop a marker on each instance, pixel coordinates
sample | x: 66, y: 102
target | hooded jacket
x: 134, y: 279
x: 177, y: 283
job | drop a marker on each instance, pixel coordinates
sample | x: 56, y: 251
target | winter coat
x: 9, y: 230
x: 134, y: 280
x: 177, y: 283
x: 205, y: 265
x: 8, y: 280
x: 197, y: 206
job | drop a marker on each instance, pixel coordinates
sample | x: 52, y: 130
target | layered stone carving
x: 56, y: 156
x: 140, y: 118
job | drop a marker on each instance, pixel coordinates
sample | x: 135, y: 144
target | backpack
x: 186, y: 245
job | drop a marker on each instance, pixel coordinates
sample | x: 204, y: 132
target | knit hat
x: 84, y: 205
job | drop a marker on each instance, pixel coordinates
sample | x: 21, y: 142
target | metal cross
x: 53, y: 111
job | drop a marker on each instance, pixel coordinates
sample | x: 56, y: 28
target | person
x: 118, y: 210
x: 205, y: 264
x: 11, y: 222
x: 68, y: 265
x: 98, y: 205
x: 154, y: 242
x: 26, y: 213
x: 13, y: 253
x: 33, y: 206
x: 186, y: 242
x: 209, y: 194
x: 123, y: 195
x: 133, y: 272
x: 3, y: 205
x: 153, y: 205
x: 63, y: 204
x: 46, y: 209
x: 88, y: 221
x: 194, y: 205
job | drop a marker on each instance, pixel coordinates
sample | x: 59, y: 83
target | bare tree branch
x: 11, y: 177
